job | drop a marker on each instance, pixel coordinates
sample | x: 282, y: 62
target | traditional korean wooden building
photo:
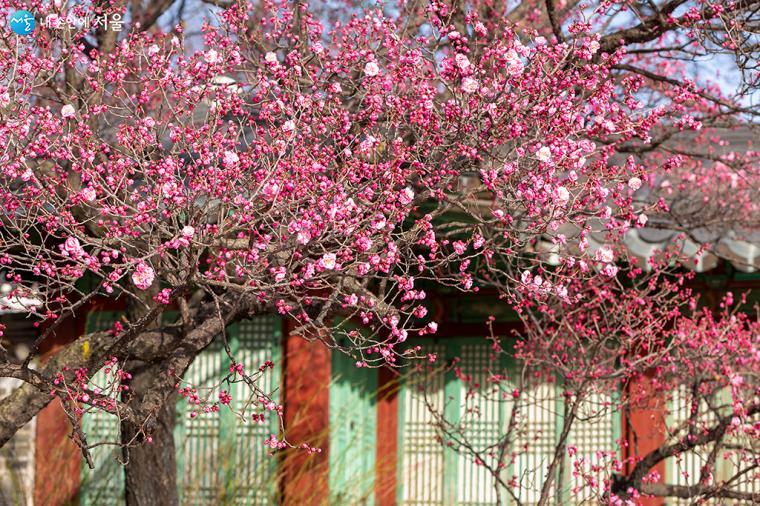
x: 378, y: 444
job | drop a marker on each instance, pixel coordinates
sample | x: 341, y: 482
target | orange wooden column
x: 57, y: 459
x: 645, y: 430
x: 305, y: 477
x: 387, y: 437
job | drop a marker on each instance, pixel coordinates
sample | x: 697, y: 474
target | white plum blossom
x: 642, y: 220
x: 379, y: 222
x: 371, y: 69
x: 303, y: 237
x: 68, y: 111
x: 562, y: 195
x: 516, y: 65
x: 605, y: 254
x: 470, y: 85
x: 188, y: 231
x: 211, y: 56
x: 634, y: 183
x: 270, y: 57
x: 289, y: 126
x: 407, y: 196
x: 230, y: 158
x: 462, y: 61
x: 89, y: 194
x: 544, y: 154
x: 328, y: 261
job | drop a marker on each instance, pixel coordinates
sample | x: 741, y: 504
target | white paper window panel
x: 538, y: 434
x: 103, y: 485
x: 486, y: 418
x: 17, y: 458
x: 685, y: 469
x: 204, y: 452
x: 481, y: 414
x: 255, y: 469
x: 422, y: 478
x: 201, y: 481
x: 593, y: 436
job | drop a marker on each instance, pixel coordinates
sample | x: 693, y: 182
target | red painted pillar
x: 307, y: 420
x: 57, y: 459
x: 645, y: 431
x: 387, y: 437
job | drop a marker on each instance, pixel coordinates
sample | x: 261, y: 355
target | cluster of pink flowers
x: 472, y: 153
x: 85, y: 394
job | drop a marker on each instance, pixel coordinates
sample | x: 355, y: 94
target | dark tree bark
x: 151, y: 469
x: 150, y: 472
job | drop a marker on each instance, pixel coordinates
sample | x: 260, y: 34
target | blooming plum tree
x: 315, y: 164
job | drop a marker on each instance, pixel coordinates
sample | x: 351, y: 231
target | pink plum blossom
x: 143, y: 276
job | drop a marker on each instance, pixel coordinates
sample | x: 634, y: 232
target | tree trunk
x: 151, y: 469
x: 150, y: 474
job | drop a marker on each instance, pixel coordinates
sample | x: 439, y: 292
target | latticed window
x: 220, y: 459
x: 432, y: 473
x: 732, y: 469
x: 104, y: 484
x: 423, y: 473
x: 17, y: 458
x: 353, y: 432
